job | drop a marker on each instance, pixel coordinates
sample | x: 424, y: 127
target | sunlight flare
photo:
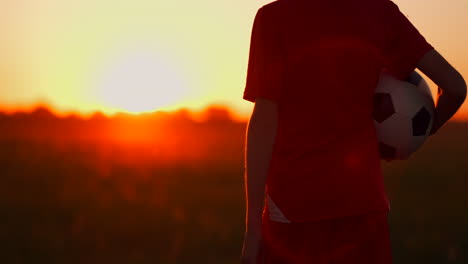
x: 141, y: 81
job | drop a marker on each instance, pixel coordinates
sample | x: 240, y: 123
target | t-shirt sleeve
x: 265, y: 65
x: 406, y: 45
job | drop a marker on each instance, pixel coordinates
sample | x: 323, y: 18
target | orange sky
x: 143, y: 55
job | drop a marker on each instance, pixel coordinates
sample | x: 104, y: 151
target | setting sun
x: 140, y: 81
x: 145, y: 55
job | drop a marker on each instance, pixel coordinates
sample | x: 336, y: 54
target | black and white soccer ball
x: 403, y: 115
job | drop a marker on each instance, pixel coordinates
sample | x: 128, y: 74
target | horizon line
x: 194, y: 114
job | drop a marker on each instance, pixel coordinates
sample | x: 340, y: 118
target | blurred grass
x: 68, y: 204
x: 429, y: 199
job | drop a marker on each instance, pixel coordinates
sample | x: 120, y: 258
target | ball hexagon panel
x: 387, y: 82
x: 383, y: 107
x: 406, y: 99
x: 397, y: 132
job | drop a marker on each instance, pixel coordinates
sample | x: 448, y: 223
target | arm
x: 451, y: 86
x: 261, y: 135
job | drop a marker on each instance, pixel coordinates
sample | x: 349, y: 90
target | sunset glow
x: 145, y: 55
x: 140, y: 81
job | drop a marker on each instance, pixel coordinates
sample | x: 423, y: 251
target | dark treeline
x: 163, y: 188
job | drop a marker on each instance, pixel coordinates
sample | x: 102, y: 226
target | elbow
x: 461, y: 94
x: 458, y: 90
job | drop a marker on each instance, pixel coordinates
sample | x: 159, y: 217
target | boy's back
x: 320, y: 61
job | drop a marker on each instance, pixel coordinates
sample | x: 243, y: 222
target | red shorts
x: 362, y: 239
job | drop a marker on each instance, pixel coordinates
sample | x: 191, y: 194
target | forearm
x: 261, y: 134
x: 447, y: 106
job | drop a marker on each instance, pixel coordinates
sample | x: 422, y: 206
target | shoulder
x: 272, y: 12
x: 274, y: 7
x: 388, y: 5
x: 377, y: 4
x: 275, y: 4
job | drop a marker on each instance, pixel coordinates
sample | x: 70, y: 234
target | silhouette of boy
x: 314, y: 186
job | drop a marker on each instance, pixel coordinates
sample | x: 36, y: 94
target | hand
x: 251, y: 249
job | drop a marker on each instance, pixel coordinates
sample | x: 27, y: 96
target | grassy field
x: 179, y: 198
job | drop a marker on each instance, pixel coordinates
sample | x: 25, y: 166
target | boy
x: 311, y: 147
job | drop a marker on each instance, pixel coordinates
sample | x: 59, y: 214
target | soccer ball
x: 403, y: 115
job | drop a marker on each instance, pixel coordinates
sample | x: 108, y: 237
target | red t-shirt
x: 320, y: 60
